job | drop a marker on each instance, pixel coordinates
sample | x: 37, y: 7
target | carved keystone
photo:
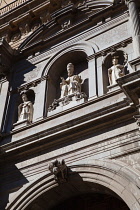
x: 59, y: 170
x: 6, y: 57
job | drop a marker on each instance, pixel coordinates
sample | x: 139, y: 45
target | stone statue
x: 64, y: 88
x: 25, y: 109
x: 72, y: 84
x: 70, y: 92
x: 116, y: 71
x: 59, y: 170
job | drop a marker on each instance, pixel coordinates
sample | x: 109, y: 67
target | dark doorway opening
x: 94, y: 201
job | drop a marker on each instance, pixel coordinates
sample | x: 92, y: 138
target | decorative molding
x: 121, y: 106
x: 110, y: 49
x: 52, y: 11
x: 77, y: 96
x: 127, y: 2
x: 12, y: 6
x: 132, y: 159
x: 34, y: 83
x: 24, y: 29
x: 137, y: 117
x: 109, y: 173
x: 130, y: 85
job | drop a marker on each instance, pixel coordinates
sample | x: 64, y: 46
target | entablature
x: 59, y: 14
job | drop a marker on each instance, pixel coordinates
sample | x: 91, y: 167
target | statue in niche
x: 116, y: 71
x: 25, y: 109
x: 72, y: 84
x: 70, y: 91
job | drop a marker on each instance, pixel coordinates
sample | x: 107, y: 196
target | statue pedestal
x: 113, y: 87
x: 67, y: 102
x: 20, y: 124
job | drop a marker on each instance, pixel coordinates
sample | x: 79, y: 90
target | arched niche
x: 59, y: 69
x: 31, y: 97
x: 106, y: 177
x: 56, y: 67
x: 107, y: 63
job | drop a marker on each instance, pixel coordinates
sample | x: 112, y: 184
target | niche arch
x: 86, y: 47
x: 31, y: 97
x: 107, y: 63
x: 56, y: 68
x: 113, y: 176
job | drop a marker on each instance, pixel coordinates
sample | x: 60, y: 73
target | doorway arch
x: 106, y: 176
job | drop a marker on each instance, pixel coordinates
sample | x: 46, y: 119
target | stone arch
x: 56, y: 68
x: 114, y: 175
x: 87, y: 48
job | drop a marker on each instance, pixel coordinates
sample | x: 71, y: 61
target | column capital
x: 127, y: 2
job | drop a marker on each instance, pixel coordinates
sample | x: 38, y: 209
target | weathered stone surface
x: 75, y: 119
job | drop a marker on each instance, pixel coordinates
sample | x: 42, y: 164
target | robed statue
x: 116, y: 71
x: 72, y: 84
x: 25, y: 109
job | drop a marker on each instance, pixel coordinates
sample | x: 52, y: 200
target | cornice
x: 31, y: 84
x: 17, y: 27
x: 60, y: 134
x: 98, y: 28
x: 110, y: 49
x: 127, y: 2
x: 130, y: 84
x: 123, y: 104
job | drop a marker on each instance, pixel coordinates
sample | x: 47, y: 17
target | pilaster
x: 92, y: 78
x: 135, y: 25
x: 4, y: 85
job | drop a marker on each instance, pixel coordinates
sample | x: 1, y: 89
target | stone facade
x: 65, y: 135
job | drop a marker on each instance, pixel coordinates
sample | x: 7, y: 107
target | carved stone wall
x: 97, y: 138
x: 132, y: 160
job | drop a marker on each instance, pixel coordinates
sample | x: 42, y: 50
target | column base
x: 20, y: 124
x: 92, y: 98
x: 113, y: 87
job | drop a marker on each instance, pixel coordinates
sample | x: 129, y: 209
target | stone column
x: 39, y: 90
x: 92, y: 78
x: 4, y: 84
x: 135, y: 25
x: 101, y: 76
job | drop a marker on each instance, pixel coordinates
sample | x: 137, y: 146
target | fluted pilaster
x: 135, y: 25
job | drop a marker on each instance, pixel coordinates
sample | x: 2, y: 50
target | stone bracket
x: 130, y: 84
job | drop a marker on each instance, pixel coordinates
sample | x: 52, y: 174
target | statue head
x: 24, y: 97
x: 115, y: 60
x: 70, y: 69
